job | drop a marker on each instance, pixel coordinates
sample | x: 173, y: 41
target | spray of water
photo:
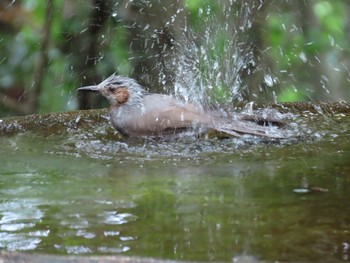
x: 204, y: 62
x: 209, y: 61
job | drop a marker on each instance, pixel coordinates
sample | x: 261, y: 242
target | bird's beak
x: 94, y: 88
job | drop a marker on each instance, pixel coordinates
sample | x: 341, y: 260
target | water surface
x: 85, y: 192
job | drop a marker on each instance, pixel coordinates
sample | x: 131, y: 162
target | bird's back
x: 158, y: 115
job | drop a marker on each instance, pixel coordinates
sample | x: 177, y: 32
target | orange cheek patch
x: 122, y: 95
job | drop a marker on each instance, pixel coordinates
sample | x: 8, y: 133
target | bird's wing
x: 162, y: 115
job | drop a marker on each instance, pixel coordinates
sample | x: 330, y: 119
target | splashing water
x: 210, y: 64
x: 202, y: 64
x: 209, y: 52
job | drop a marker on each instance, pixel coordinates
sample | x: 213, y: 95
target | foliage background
x: 293, y: 50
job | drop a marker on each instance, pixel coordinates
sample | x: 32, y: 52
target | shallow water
x: 84, y: 192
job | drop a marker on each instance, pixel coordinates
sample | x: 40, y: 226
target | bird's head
x: 118, y: 90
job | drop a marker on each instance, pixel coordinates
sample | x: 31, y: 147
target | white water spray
x: 206, y: 60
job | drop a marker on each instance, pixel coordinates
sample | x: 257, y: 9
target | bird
x: 135, y: 112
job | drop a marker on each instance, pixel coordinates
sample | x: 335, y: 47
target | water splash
x: 210, y: 64
x: 201, y: 63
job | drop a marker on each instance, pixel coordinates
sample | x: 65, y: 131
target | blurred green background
x: 270, y: 51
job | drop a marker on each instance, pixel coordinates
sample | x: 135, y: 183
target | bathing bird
x: 137, y: 112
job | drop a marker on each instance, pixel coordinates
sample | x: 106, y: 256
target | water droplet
x: 268, y: 80
x: 77, y: 119
x: 303, y: 57
x: 331, y: 40
x: 146, y: 27
x: 275, y: 98
x: 301, y: 190
x: 111, y: 233
x: 127, y: 238
x: 200, y: 12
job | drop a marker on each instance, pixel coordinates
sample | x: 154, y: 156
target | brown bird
x: 136, y: 112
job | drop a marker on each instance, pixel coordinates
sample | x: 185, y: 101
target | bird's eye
x: 111, y: 89
x: 117, y: 83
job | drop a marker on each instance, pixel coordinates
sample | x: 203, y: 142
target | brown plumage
x: 136, y: 112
